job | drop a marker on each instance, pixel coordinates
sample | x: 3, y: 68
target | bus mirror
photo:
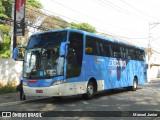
x: 88, y: 50
x: 63, y: 48
x: 18, y: 53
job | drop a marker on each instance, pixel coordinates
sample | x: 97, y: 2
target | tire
x: 135, y: 84
x: 90, y: 91
x: 134, y: 87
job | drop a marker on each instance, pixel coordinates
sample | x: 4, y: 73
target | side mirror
x: 18, y: 53
x: 63, y: 50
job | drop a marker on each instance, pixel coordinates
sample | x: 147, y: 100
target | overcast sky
x: 126, y: 18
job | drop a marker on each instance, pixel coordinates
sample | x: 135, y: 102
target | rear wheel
x: 135, y: 85
x: 90, y: 91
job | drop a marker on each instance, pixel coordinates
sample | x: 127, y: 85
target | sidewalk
x: 13, y: 98
x: 155, y: 80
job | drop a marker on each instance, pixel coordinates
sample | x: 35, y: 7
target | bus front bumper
x: 57, y: 90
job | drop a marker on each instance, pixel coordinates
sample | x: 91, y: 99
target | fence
x: 10, y: 71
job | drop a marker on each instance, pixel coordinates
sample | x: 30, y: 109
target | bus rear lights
x: 32, y: 81
x: 58, y: 82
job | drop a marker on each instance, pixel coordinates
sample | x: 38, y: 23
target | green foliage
x: 7, y: 89
x: 5, y: 28
x: 5, y: 47
x: 34, y: 3
x: 54, y: 22
x: 7, y: 7
x: 83, y: 26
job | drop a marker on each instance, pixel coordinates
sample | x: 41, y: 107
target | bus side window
x: 92, y: 42
x: 131, y: 54
x: 106, y: 49
x: 123, y: 52
x: 116, y: 51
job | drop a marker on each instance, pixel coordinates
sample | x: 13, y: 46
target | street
x: 146, y: 98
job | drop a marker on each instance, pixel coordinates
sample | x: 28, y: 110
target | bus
x: 70, y: 62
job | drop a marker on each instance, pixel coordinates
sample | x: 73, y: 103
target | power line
x: 42, y: 28
x: 139, y: 10
x: 119, y: 9
x: 91, y: 17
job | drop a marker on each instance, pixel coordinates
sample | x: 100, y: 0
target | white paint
x: 10, y: 70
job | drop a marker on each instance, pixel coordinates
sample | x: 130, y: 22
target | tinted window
x: 106, y: 49
x: 136, y: 54
x: 92, y: 46
x: 45, y: 39
x: 75, y: 55
x: 124, y: 52
x: 115, y: 50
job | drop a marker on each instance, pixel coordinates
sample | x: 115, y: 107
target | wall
x: 10, y: 71
x: 155, y: 69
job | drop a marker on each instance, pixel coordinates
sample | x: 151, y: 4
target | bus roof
x: 104, y: 38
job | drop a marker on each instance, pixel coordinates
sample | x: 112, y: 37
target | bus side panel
x: 96, y: 67
x: 115, y: 72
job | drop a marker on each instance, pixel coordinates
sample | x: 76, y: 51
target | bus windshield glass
x: 47, y: 39
x: 43, y: 63
x: 42, y: 58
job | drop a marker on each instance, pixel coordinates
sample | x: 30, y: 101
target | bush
x: 7, y: 89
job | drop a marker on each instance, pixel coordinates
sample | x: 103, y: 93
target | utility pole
x: 149, y: 50
x: 13, y: 29
x: 18, y: 24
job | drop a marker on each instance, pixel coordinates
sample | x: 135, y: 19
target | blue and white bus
x: 71, y: 62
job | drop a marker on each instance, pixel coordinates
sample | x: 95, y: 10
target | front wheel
x: 90, y: 91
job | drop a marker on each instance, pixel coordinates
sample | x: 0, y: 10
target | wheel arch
x: 136, y: 78
x: 94, y: 81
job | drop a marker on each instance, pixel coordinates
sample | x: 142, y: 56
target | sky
x: 133, y: 20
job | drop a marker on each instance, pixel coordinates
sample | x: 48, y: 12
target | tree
x: 83, y: 26
x: 53, y: 22
x: 5, y: 14
x: 34, y: 3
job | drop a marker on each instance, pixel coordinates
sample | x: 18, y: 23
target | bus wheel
x: 135, y: 84
x: 90, y: 91
x: 134, y: 87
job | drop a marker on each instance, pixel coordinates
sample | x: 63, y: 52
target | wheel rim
x: 90, y: 89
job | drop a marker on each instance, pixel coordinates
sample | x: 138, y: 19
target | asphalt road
x: 115, y: 104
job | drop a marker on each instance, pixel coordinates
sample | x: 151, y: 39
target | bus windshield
x: 47, y: 39
x: 43, y: 63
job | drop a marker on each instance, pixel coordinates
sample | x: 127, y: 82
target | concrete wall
x: 10, y: 71
x: 155, y: 72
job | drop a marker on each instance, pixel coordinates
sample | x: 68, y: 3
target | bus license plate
x: 39, y: 91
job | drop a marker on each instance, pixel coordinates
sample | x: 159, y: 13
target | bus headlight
x: 25, y: 83
x: 58, y: 82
